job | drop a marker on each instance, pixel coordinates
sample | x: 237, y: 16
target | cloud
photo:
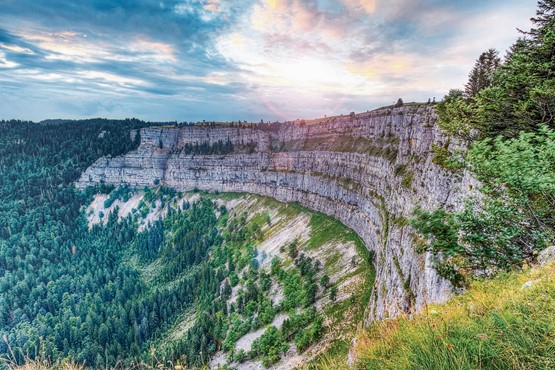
x: 355, y: 6
x: 5, y: 63
x: 244, y: 59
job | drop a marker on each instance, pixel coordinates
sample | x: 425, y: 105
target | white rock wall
x: 359, y: 189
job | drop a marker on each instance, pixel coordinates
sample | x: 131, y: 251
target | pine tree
x: 483, y: 72
x: 545, y: 19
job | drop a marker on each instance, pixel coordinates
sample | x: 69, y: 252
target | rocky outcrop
x: 368, y: 170
x: 546, y: 256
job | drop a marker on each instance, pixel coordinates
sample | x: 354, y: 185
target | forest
x: 77, y: 291
x: 48, y: 258
x: 107, y: 295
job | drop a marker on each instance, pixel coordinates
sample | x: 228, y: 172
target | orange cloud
x: 69, y: 46
x: 289, y: 16
x: 158, y: 51
x: 16, y: 48
x: 368, y: 6
x: 212, y: 5
x: 272, y: 3
x: 394, y: 64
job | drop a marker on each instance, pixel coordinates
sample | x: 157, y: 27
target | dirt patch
x: 233, y: 297
x: 276, y: 293
x: 125, y: 208
x: 245, y: 342
x: 291, y: 360
x: 157, y: 212
x: 96, y: 208
x: 287, y: 232
x: 184, y: 325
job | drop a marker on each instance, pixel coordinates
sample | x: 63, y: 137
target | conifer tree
x: 482, y: 74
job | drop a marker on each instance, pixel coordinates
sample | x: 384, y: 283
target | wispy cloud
x: 218, y: 59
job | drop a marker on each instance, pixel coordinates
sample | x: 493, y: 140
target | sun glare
x: 305, y: 71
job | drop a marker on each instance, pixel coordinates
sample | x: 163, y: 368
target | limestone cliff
x: 368, y: 170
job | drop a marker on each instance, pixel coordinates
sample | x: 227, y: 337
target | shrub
x: 456, y: 115
x: 445, y: 159
x: 270, y: 346
x: 407, y: 180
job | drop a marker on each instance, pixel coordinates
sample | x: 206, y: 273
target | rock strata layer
x: 368, y: 170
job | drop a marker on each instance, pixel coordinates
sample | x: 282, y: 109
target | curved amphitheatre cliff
x: 367, y: 170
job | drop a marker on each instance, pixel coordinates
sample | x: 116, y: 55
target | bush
x: 304, y: 338
x: 324, y: 281
x: 456, y: 115
x: 515, y: 216
x: 333, y: 293
x: 445, y: 159
x: 407, y: 180
x: 270, y: 346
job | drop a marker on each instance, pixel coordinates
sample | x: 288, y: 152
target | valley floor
x: 292, y: 248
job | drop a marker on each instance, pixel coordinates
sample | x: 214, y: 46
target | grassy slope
x: 497, y: 324
x: 343, y: 315
x: 324, y: 229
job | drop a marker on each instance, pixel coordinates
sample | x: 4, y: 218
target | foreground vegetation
x: 502, y: 129
x: 497, y: 324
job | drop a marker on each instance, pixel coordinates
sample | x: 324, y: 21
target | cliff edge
x: 367, y: 170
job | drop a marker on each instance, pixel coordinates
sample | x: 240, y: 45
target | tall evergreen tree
x: 544, y: 20
x: 482, y: 75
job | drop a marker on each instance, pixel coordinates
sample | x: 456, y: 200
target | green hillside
x: 121, y: 277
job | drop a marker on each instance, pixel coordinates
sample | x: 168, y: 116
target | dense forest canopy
x: 64, y: 288
x: 108, y: 294
x: 46, y: 261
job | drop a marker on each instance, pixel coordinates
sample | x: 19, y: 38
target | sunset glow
x: 160, y: 59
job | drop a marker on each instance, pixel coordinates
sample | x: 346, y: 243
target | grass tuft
x: 496, y: 324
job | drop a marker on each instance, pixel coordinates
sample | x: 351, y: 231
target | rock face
x: 547, y: 256
x: 368, y: 170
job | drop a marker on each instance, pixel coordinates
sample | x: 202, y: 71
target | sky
x: 218, y: 60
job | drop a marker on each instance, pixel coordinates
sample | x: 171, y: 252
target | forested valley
x: 137, y: 290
